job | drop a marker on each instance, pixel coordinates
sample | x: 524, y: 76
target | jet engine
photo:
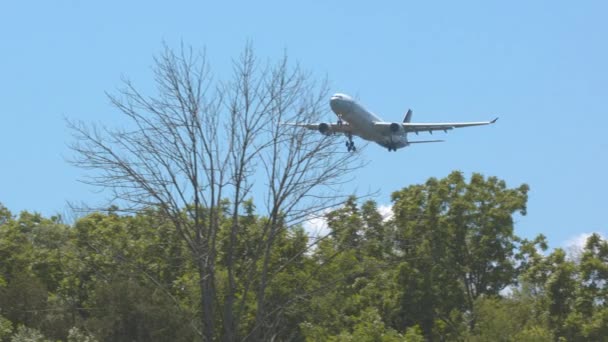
x: 325, y: 128
x: 395, y: 127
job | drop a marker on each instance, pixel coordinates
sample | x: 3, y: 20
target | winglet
x: 493, y: 121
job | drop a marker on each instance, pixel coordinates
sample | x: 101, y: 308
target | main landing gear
x: 350, y: 144
x: 392, y: 149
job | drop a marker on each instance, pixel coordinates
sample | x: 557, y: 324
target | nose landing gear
x: 350, y: 144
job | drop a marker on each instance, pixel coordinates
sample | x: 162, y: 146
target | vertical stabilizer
x: 408, y: 116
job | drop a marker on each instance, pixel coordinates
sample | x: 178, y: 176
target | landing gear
x: 350, y: 144
x: 340, y: 122
x: 390, y: 148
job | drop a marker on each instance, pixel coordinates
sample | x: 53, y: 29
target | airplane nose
x: 338, y: 104
x: 333, y: 104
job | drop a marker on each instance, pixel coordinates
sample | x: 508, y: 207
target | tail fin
x: 408, y: 116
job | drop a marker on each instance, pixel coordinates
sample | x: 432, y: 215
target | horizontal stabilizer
x: 424, y: 141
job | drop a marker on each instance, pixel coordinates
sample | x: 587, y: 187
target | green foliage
x: 5, y: 215
x: 6, y: 328
x: 414, y: 334
x: 456, y: 241
x: 368, y: 327
x: 437, y: 270
x: 25, y: 334
x: 506, y: 319
x: 124, y: 310
x: 534, y: 333
x: 77, y: 335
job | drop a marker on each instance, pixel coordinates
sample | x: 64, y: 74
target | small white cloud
x: 580, y: 240
x: 575, y: 245
x: 316, y: 226
x: 577, y: 241
x: 507, y: 291
x: 386, y: 211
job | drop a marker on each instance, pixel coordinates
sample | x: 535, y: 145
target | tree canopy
x: 446, y: 266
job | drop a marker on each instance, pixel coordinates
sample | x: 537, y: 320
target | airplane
x: 355, y: 120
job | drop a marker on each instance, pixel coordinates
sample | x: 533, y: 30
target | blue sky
x: 540, y: 66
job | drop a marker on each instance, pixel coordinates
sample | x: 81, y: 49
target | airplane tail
x: 408, y: 116
x: 424, y: 141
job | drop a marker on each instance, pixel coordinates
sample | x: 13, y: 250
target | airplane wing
x: 424, y: 141
x: 430, y: 127
x: 325, y: 127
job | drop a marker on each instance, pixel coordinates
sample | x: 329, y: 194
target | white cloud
x: 316, y: 226
x: 580, y: 240
x: 386, y: 211
x: 577, y: 241
x: 575, y: 245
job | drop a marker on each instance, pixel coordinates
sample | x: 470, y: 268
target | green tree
x: 32, y: 250
x: 587, y: 314
x: 457, y: 243
x: 593, y: 268
x: 507, y: 319
x: 25, y: 334
x: 6, y: 328
x: 368, y: 327
x: 355, y: 279
x: 125, y: 310
x: 553, y: 280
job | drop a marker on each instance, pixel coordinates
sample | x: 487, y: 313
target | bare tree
x: 198, y: 144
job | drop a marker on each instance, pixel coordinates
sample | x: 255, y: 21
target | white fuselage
x: 362, y: 122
